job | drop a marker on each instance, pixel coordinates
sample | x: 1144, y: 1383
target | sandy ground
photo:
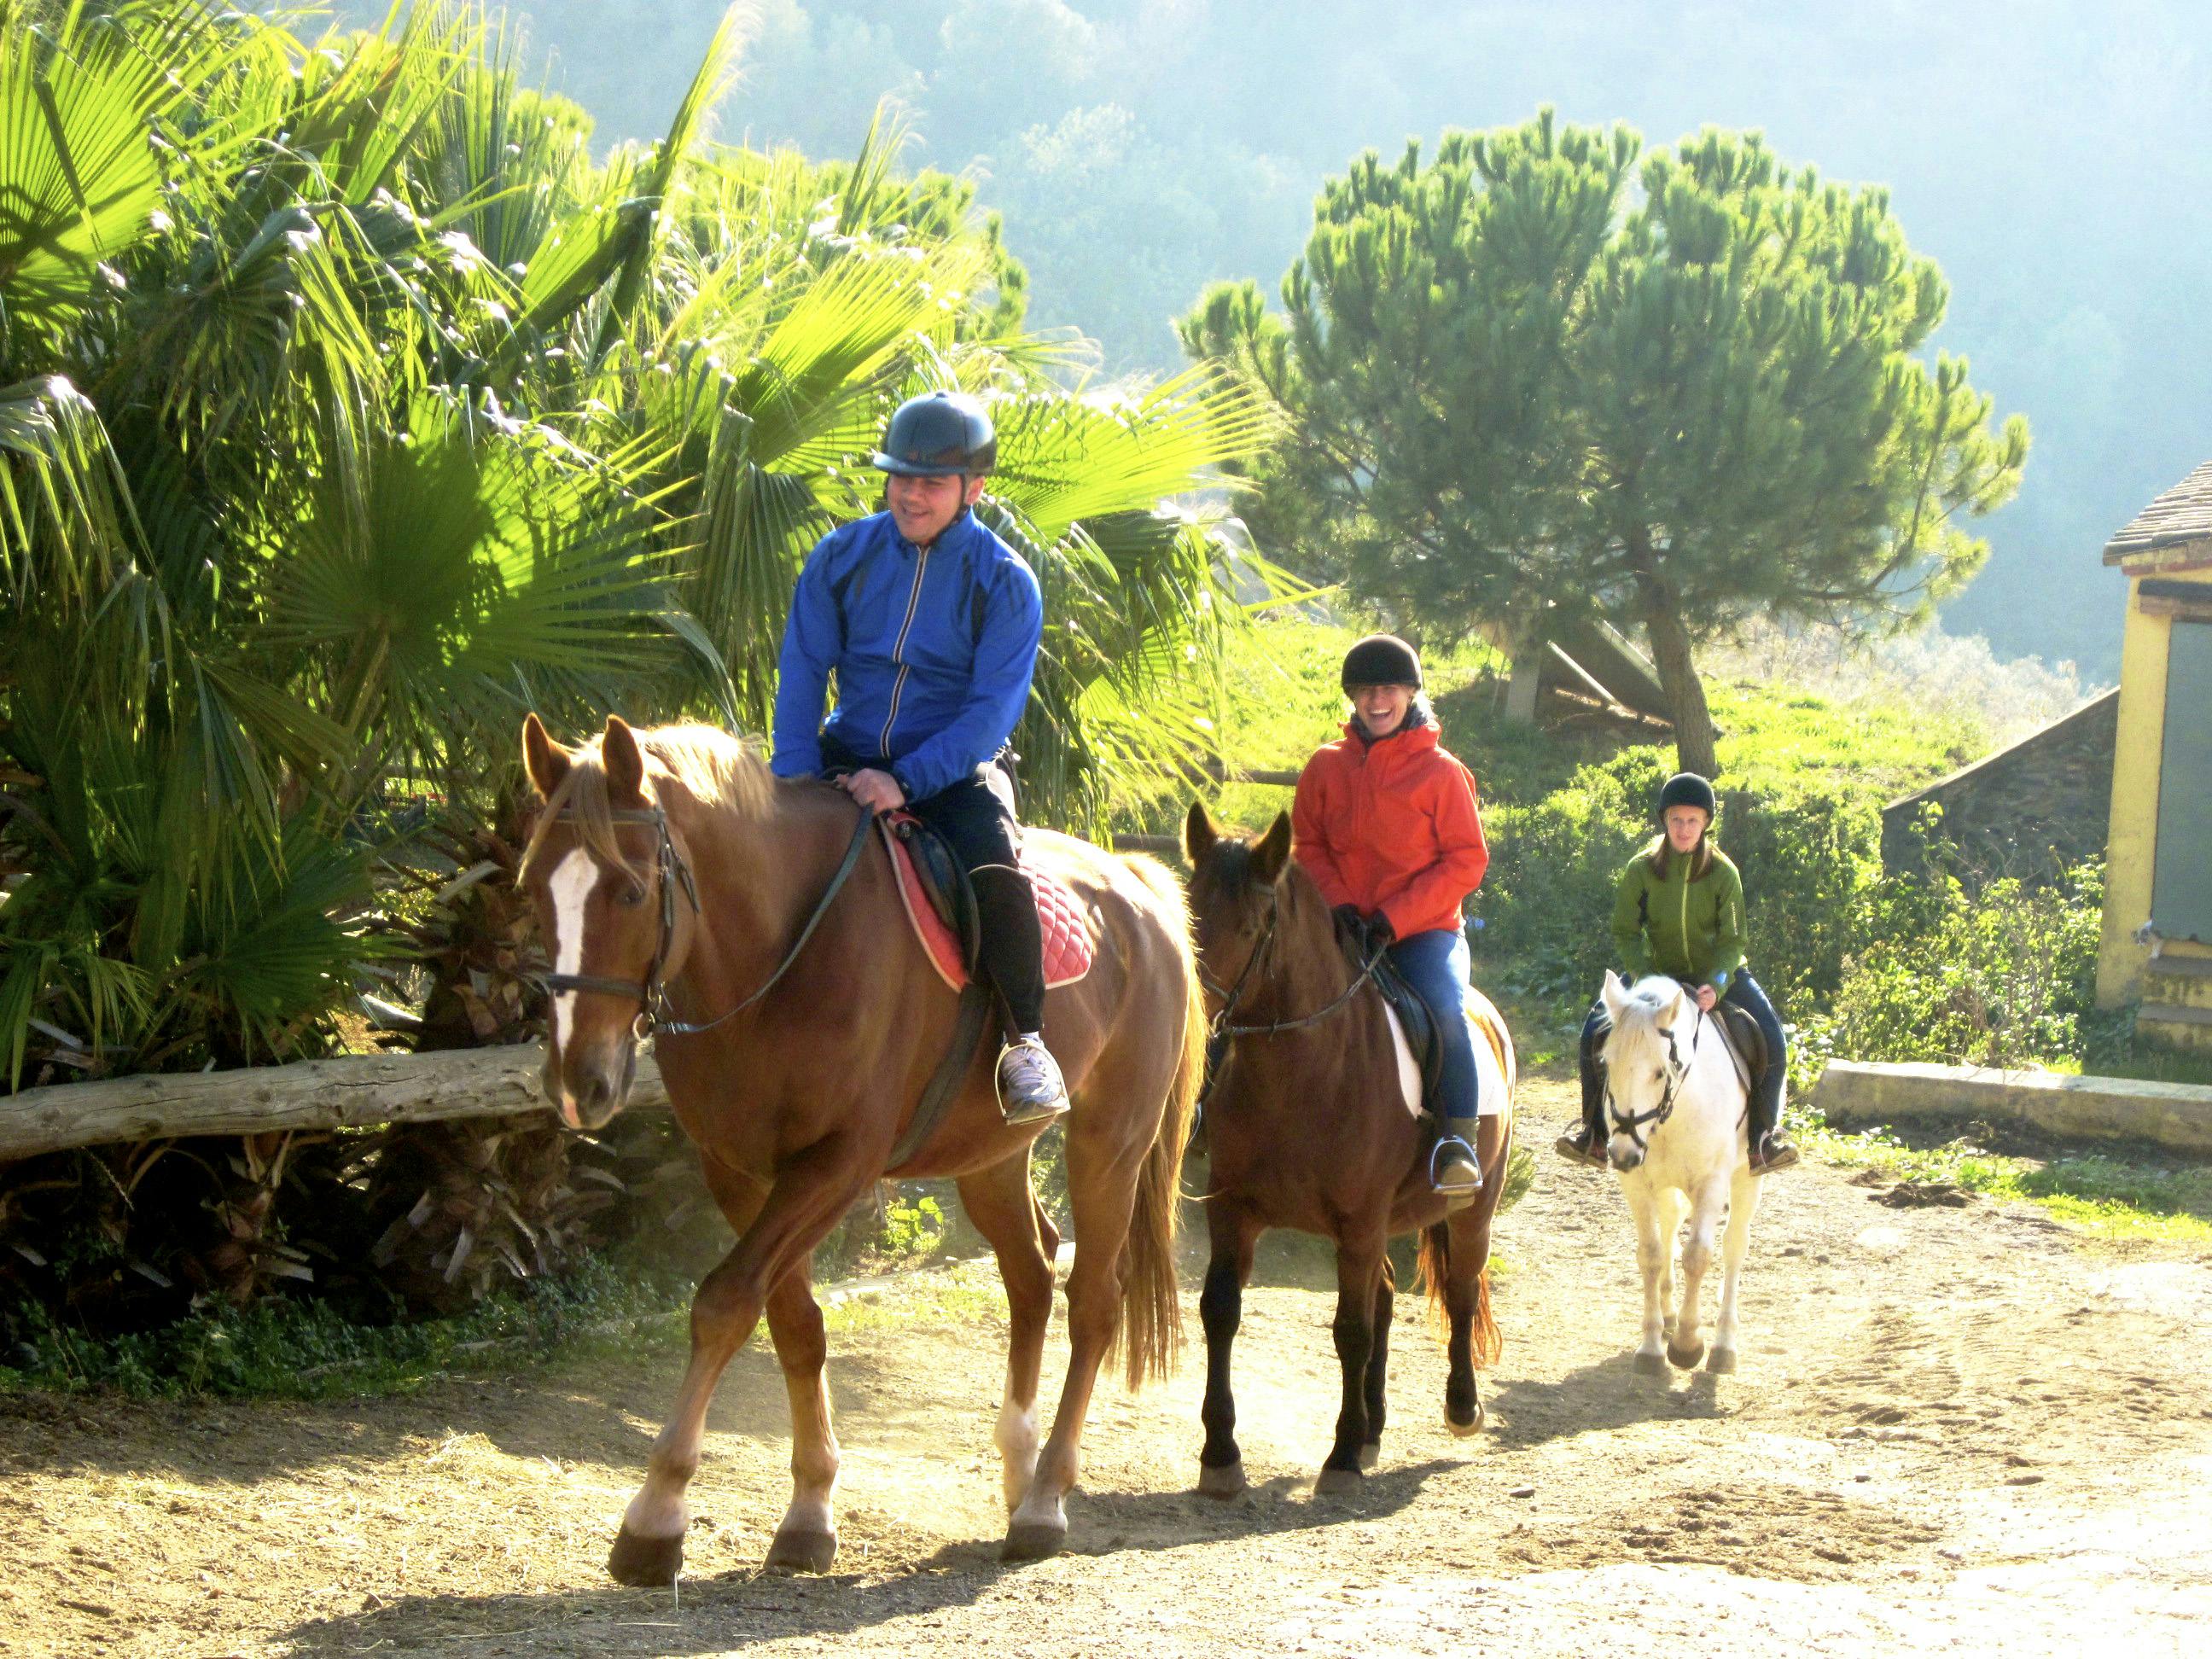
x: 1957, y: 1429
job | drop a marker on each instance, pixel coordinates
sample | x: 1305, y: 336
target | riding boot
x: 1770, y: 1149
x: 1584, y: 1144
x: 1454, y: 1169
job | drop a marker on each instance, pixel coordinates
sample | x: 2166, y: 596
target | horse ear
x: 1273, y: 852
x: 1615, y: 995
x: 625, y: 764
x: 1200, y: 835
x: 546, y: 760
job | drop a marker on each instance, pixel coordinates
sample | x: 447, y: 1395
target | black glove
x: 1380, y: 933
x: 1348, y: 919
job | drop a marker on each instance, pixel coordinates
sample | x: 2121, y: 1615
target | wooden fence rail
x: 357, y: 1092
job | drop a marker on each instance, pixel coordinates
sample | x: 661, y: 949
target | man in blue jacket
x: 930, y: 623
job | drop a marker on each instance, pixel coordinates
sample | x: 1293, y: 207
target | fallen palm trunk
x: 358, y: 1091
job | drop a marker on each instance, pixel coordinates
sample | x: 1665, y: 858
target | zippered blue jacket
x: 933, y: 649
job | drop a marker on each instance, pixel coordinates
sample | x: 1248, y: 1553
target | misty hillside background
x: 2055, y: 157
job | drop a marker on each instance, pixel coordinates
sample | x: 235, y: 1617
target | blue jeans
x: 1437, y: 965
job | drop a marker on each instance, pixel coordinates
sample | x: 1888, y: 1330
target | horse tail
x: 1151, y: 1309
x: 1435, y: 1264
x: 1485, y: 1342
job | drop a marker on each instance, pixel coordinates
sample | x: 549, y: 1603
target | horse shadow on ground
x: 742, y: 1609
x: 1612, y: 1393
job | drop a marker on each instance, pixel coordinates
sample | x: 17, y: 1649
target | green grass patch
x: 2112, y: 1198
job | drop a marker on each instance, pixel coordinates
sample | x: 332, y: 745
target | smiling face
x: 924, y: 508
x: 1381, y: 709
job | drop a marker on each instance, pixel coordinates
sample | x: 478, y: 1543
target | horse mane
x: 1641, y: 1008
x: 704, y: 761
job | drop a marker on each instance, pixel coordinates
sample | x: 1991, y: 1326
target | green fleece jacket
x: 1692, y: 930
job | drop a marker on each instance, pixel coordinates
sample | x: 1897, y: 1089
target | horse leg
x: 1378, y: 1367
x: 806, y: 1539
x: 1686, y: 1347
x: 1221, y: 1307
x: 999, y: 1200
x: 1654, y: 1249
x: 1359, y: 1269
x: 1735, y: 1244
x: 1473, y: 1332
x: 1101, y: 1193
x: 805, y: 1202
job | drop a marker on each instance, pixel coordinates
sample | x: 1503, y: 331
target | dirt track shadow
x: 1609, y: 1395
x: 719, y: 1615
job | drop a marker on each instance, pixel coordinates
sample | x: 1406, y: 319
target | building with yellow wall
x: 2157, y: 941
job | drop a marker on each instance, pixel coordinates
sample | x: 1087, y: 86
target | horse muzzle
x: 1624, y: 1153
x: 588, y: 1090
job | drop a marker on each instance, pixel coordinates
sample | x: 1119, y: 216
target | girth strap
x: 944, y: 1083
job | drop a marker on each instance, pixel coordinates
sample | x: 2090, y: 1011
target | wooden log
x: 357, y: 1091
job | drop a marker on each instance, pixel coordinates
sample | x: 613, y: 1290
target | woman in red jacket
x: 1385, y: 822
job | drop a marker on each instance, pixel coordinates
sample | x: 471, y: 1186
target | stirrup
x: 1588, y: 1153
x: 1459, y: 1190
x: 1770, y: 1152
x: 1035, y: 1107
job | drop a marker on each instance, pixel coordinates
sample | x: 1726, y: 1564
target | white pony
x: 1675, y: 1111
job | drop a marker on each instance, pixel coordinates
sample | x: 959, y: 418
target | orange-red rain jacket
x: 1391, y: 826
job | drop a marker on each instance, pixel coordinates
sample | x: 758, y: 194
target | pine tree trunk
x: 1678, y: 671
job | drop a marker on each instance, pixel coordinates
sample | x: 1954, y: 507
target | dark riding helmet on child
x: 1687, y: 789
x: 939, y: 435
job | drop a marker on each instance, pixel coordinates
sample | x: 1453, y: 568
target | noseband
x: 1632, y: 1124
x: 654, y: 1012
x: 1230, y: 997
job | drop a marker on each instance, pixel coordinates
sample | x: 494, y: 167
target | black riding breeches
x: 975, y: 816
x: 1766, y: 1085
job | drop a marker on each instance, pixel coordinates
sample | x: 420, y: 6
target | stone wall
x: 2032, y: 810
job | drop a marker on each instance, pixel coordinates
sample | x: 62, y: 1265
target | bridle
x: 1632, y: 1124
x: 1230, y: 997
x: 654, y: 1011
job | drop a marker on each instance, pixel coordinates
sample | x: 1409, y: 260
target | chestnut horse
x: 1313, y: 1122
x: 755, y: 921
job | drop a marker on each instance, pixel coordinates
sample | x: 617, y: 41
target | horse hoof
x: 645, y: 1562
x: 1369, y: 1455
x: 1686, y: 1359
x: 1338, y: 1483
x: 1722, y: 1360
x: 803, y: 1551
x: 1034, y: 1540
x: 1469, y: 1428
x: 1651, y: 1364
x: 1226, y: 1480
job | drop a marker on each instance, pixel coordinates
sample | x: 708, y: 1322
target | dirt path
x: 1962, y: 1428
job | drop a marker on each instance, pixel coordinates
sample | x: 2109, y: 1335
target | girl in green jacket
x: 1679, y: 911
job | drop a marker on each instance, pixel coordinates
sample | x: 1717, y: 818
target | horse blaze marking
x: 573, y: 880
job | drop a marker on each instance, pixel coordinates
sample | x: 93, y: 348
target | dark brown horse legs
x: 1221, y: 1307
x: 1358, y: 1270
x: 1378, y: 1368
x: 805, y: 1203
x: 997, y: 1200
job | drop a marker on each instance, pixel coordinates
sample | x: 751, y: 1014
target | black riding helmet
x: 1382, y: 659
x: 1687, y: 789
x: 939, y: 435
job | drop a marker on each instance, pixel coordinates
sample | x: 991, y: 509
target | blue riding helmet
x: 939, y: 435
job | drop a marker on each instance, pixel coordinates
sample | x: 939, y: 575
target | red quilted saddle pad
x: 1067, y: 940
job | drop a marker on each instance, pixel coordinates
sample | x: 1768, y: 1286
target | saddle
x: 940, y: 905
x: 1415, y: 1016
x: 1745, y: 1043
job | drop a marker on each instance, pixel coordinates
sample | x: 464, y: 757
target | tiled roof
x: 2181, y: 516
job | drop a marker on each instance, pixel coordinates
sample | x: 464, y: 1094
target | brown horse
x: 754, y: 919
x: 1312, y: 1124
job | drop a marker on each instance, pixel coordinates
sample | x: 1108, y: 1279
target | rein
x: 1230, y: 997
x: 1631, y: 1124
x: 654, y: 1012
